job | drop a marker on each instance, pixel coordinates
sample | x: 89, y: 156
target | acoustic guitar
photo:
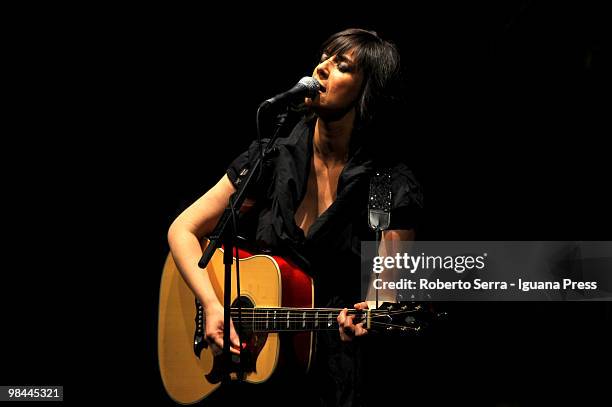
x: 278, y: 321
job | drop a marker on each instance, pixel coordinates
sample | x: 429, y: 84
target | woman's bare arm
x: 187, y: 231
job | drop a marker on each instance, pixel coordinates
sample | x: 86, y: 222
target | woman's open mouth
x: 321, y: 88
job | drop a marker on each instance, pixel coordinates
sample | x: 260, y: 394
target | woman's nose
x: 323, y: 69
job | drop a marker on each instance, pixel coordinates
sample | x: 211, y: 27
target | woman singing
x: 311, y: 204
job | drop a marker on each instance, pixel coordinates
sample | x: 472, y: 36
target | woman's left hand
x: 347, y: 329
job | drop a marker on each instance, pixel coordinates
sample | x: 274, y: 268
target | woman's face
x: 341, y: 80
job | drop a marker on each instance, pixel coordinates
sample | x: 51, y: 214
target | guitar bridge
x: 198, y: 337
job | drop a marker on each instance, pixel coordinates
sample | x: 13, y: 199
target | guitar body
x: 266, y: 281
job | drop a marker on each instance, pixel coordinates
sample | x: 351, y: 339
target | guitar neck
x: 293, y: 319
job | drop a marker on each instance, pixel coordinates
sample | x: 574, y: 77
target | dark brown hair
x: 379, y: 61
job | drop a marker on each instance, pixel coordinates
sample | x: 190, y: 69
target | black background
x: 122, y: 117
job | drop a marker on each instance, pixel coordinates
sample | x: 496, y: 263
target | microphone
x: 306, y: 87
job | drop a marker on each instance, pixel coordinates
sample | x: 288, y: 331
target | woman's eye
x: 324, y: 57
x: 343, y: 67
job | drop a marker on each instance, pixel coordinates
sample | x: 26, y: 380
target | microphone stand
x: 223, y: 234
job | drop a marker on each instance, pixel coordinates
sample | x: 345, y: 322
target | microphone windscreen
x: 312, y: 86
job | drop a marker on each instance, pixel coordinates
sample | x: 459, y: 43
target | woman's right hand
x: 214, y: 330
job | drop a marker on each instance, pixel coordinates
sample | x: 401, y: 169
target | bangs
x: 339, y: 46
x: 362, y: 43
x: 379, y: 62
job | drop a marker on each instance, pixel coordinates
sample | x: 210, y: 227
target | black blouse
x: 330, y: 251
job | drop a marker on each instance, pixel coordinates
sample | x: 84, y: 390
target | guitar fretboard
x: 292, y: 319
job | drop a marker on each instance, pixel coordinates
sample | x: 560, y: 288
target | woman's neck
x: 332, y: 138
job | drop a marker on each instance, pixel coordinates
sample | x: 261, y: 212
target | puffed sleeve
x: 407, y: 205
x: 247, y: 160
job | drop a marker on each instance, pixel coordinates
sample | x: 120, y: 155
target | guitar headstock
x: 405, y: 317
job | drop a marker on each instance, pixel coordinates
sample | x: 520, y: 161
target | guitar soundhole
x: 247, y: 317
x: 252, y: 343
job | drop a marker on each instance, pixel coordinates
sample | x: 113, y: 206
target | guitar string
x: 296, y: 319
x: 324, y: 310
x: 280, y: 329
x: 298, y: 314
x: 281, y: 326
x: 336, y: 327
x: 305, y: 320
x: 301, y: 318
x: 350, y: 312
x: 311, y: 309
